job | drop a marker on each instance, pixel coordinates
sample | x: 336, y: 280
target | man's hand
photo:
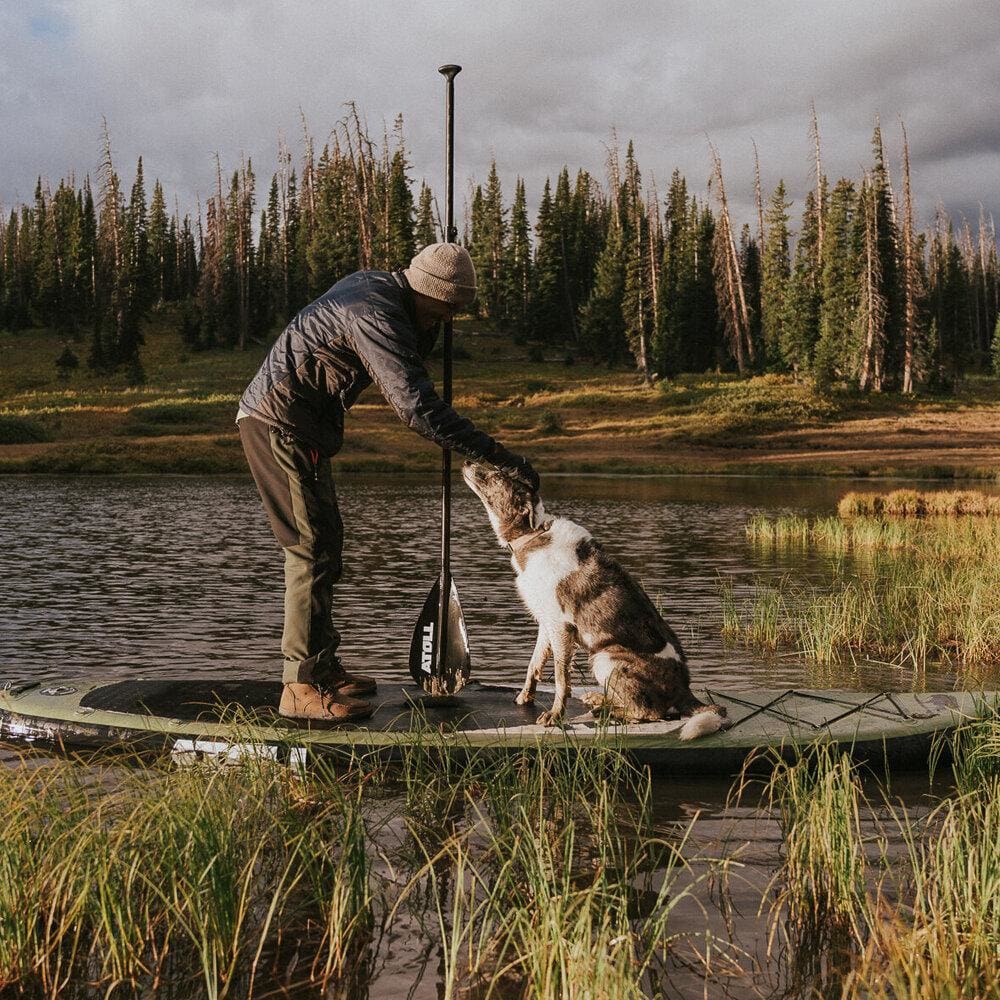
x: 516, y: 467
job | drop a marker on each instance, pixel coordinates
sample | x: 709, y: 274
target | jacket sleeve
x: 386, y: 344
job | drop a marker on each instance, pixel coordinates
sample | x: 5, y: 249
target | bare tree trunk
x: 308, y: 199
x: 910, y: 274
x: 819, y: 189
x: 653, y: 212
x: 362, y: 188
x: 740, y: 317
x: 284, y: 161
x: 760, y: 201
x: 873, y: 304
x: 111, y: 204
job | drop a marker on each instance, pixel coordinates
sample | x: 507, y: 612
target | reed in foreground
x: 937, y: 933
x: 137, y: 877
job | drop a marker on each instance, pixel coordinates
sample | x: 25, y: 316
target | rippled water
x: 181, y: 576
x: 109, y: 576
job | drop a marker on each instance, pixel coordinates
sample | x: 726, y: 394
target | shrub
x: 19, y: 430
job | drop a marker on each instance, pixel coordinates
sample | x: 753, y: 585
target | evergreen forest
x: 848, y: 292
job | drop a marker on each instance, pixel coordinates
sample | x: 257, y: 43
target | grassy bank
x: 566, y: 417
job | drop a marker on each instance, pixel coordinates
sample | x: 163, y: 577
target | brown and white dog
x: 580, y: 596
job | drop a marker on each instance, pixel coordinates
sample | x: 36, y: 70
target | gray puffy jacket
x: 362, y: 330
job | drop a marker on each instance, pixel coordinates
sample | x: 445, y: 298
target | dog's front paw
x: 549, y: 719
x: 525, y: 697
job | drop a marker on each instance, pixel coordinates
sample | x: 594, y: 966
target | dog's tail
x: 703, y: 723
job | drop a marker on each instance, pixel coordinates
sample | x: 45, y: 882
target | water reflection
x: 103, y: 576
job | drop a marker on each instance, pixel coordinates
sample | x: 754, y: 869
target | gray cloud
x: 543, y: 85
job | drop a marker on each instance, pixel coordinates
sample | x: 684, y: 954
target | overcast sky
x: 543, y: 84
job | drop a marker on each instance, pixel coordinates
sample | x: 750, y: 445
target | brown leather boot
x: 321, y: 704
x: 351, y: 685
x: 332, y: 675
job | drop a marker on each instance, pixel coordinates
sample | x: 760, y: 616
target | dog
x: 581, y: 596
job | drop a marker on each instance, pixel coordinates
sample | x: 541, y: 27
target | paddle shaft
x: 451, y: 235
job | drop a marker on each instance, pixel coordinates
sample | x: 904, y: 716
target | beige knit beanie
x: 443, y: 271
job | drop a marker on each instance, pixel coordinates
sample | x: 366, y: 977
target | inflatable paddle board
x: 224, y: 717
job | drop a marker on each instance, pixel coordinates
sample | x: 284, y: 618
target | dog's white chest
x: 545, y: 568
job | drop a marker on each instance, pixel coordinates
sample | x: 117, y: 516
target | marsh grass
x: 911, y: 503
x: 852, y: 918
x: 937, y: 933
x: 536, y: 873
x: 821, y: 883
x: 555, y: 886
x: 136, y: 877
x: 900, y: 591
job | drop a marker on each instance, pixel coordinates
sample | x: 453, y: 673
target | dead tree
x: 820, y: 207
x: 911, y: 277
x: 872, y: 308
x: 726, y: 265
x: 760, y: 201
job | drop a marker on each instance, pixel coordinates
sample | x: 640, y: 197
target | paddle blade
x: 440, y: 671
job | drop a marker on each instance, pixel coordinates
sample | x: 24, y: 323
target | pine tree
x: 517, y: 270
x: 89, y: 258
x: 426, y: 232
x: 637, y: 305
x: 589, y: 215
x: 775, y: 279
x: 477, y: 243
x: 564, y: 237
x: 296, y: 264
x: 800, y: 330
x: 400, y: 243
x: 492, y: 247
x: 884, y: 214
x: 47, y: 283
x: 160, y: 249
x: 703, y: 347
x: 548, y: 299
x: 602, y: 329
x: 948, y: 308
x: 835, y: 348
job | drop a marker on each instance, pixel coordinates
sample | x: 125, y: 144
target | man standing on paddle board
x: 373, y: 326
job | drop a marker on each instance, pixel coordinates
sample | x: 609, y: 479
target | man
x: 371, y: 327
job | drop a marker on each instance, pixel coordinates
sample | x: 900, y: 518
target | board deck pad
x: 218, y: 700
x: 897, y: 728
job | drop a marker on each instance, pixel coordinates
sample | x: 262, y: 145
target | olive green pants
x: 296, y: 487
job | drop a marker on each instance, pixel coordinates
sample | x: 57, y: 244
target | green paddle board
x: 226, y: 718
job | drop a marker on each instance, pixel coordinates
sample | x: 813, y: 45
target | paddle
x: 439, y: 650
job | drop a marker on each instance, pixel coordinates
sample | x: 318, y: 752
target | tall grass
x: 901, y: 591
x: 556, y: 886
x: 138, y: 877
x: 911, y: 503
x: 938, y: 933
x: 821, y: 882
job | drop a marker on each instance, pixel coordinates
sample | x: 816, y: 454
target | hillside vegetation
x: 566, y: 417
